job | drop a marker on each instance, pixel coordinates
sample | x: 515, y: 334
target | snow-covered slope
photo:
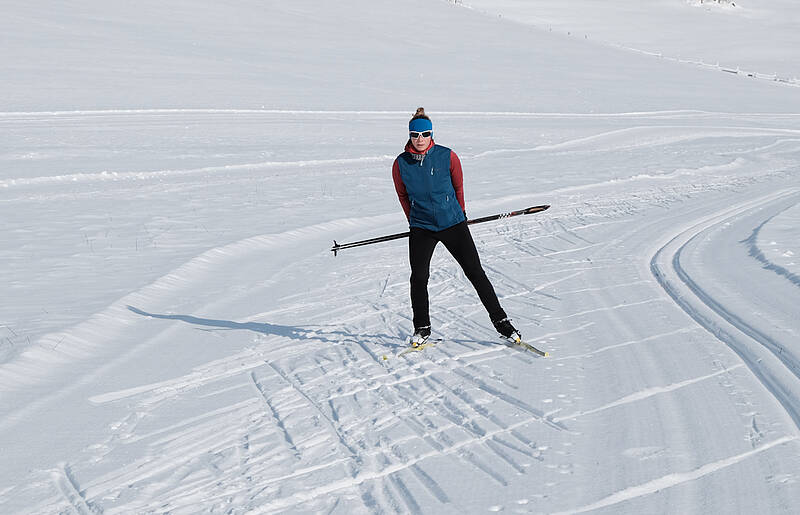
x: 755, y: 39
x: 175, y: 335
x: 358, y: 55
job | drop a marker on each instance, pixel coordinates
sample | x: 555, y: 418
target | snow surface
x: 176, y: 336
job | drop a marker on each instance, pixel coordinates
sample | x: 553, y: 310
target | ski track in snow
x: 161, y: 174
x: 326, y: 417
x: 760, y: 254
x: 775, y: 364
x: 675, y: 479
x: 71, y: 492
x: 616, y: 140
x: 114, y: 112
x: 644, y: 394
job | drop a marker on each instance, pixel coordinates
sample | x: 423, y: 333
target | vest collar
x: 410, y: 148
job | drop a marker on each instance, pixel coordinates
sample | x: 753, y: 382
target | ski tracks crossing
x: 334, y: 420
x: 285, y: 393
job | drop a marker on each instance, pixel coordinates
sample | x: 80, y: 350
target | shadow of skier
x: 287, y: 331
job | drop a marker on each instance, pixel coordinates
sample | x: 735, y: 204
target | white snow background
x: 177, y: 337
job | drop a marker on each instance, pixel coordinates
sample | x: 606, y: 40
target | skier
x: 429, y: 183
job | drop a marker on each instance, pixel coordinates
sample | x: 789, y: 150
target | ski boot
x: 421, y: 335
x: 507, y: 330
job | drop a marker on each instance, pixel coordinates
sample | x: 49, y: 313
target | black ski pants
x: 458, y: 241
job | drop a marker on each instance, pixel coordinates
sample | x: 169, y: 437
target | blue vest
x: 434, y: 205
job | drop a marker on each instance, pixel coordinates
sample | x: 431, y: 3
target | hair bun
x: 420, y: 114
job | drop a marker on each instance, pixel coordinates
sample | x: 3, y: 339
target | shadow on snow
x: 286, y: 331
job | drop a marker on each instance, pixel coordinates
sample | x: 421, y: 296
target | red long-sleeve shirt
x: 456, y: 175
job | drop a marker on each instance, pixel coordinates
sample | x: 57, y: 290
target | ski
x: 431, y: 342
x: 526, y: 346
x: 418, y: 348
x: 511, y: 343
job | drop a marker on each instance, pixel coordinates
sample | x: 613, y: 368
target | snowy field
x: 177, y: 337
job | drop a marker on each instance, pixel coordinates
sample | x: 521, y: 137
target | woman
x: 429, y: 184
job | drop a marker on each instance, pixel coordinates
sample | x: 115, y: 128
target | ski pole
x: 337, y: 247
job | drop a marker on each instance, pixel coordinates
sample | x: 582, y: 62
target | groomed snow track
x: 775, y: 364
